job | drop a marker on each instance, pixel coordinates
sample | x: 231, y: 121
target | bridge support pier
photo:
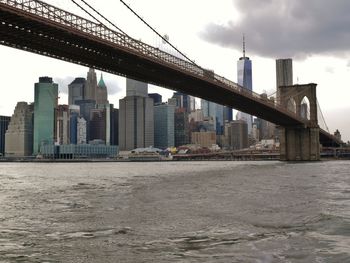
x: 299, y: 144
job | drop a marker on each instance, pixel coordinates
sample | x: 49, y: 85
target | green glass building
x: 45, y: 103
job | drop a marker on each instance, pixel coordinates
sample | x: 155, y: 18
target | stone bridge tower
x: 300, y: 143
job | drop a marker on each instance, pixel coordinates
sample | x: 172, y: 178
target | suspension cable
x: 88, y: 13
x: 105, y: 18
x: 318, y: 105
x: 155, y: 31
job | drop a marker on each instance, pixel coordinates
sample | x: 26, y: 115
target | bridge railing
x: 100, y: 31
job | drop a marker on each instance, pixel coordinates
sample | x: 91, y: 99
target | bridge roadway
x: 38, y: 27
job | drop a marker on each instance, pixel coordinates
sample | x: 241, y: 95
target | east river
x: 175, y: 212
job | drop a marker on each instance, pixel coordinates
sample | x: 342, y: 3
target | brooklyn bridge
x: 38, y: 27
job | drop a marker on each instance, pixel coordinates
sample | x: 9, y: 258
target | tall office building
x: 4, y: 123
x: 216, y: 111
x: 45, y: 104
x: 182, y: 131
x: 81, y: 131
x: 237, y: 134
x: 76, y: 90
x: 62, y: 125
x: 85, y: 108
x: 98, y: 125
x: 114, y: 125
x: 157, y: 98
x: 136, y: 117
x: 183, y: 101
x: 74, y: 112
x: 244, y: 78
x: 101, y: 92
x: 19, y: 135
x: 164, y: 130
x: 91, y: 85
x: 136, y: 88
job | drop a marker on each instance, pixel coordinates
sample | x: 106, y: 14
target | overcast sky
x: 314, y: 33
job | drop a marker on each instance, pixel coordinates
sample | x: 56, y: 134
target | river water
x: 175, y: 212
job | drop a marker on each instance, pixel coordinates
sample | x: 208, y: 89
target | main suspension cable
x: 155, y: 31
x: 105, y: 18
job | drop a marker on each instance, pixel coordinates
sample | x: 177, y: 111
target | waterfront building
x: 182, y: 136
x: 98, y: 124
x: 81, y: 130
x: 114, y: 126
x: 204, y: 138
x: 157, y: 98
x: 45, y: 104
x: 244, y: 79
x: 19, y: 134
x: 4, y: 123
x: 164, y: 130
x: 237, y: 134
x: 85, y: 108
x: 196, y: 115
x: 80, y: 151
x: 62, y: 124
x: 136, y: 117
x: 74, y: 112
x: 76, y: 90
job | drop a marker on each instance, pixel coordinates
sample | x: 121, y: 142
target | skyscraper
x: 91, y: 85
x: 164, y: 130
x: 157, y: 98
x: 101, y: 92
x: 136, y: 88
x: 237, y: 135
x: 244, y: 78
x: 62, y: 124
x: 183, y: 101
x: 4, y: 123
x: 216, y: 111
x: 284, y: 74
x: 136, y: 117
x: 76, y: 90
x: 45, y: 104
x: 19, y: 135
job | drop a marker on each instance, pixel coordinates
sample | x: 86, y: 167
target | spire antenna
x: 243, y: 46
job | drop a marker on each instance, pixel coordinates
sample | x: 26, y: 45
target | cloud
x: 284, y: 28
x: 329, y: 70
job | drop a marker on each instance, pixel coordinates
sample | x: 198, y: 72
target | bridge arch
x: 291, y: 105
x: 305, y: 108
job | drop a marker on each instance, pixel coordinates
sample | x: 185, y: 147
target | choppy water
x: 175, y: 212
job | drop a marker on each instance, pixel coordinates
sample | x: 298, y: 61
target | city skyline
x: 329, y: 71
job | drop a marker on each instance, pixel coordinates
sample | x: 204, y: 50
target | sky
x: 314, y: 33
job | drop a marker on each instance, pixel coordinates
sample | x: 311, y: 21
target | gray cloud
x: 285, y: 28
x: 329, y: 70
